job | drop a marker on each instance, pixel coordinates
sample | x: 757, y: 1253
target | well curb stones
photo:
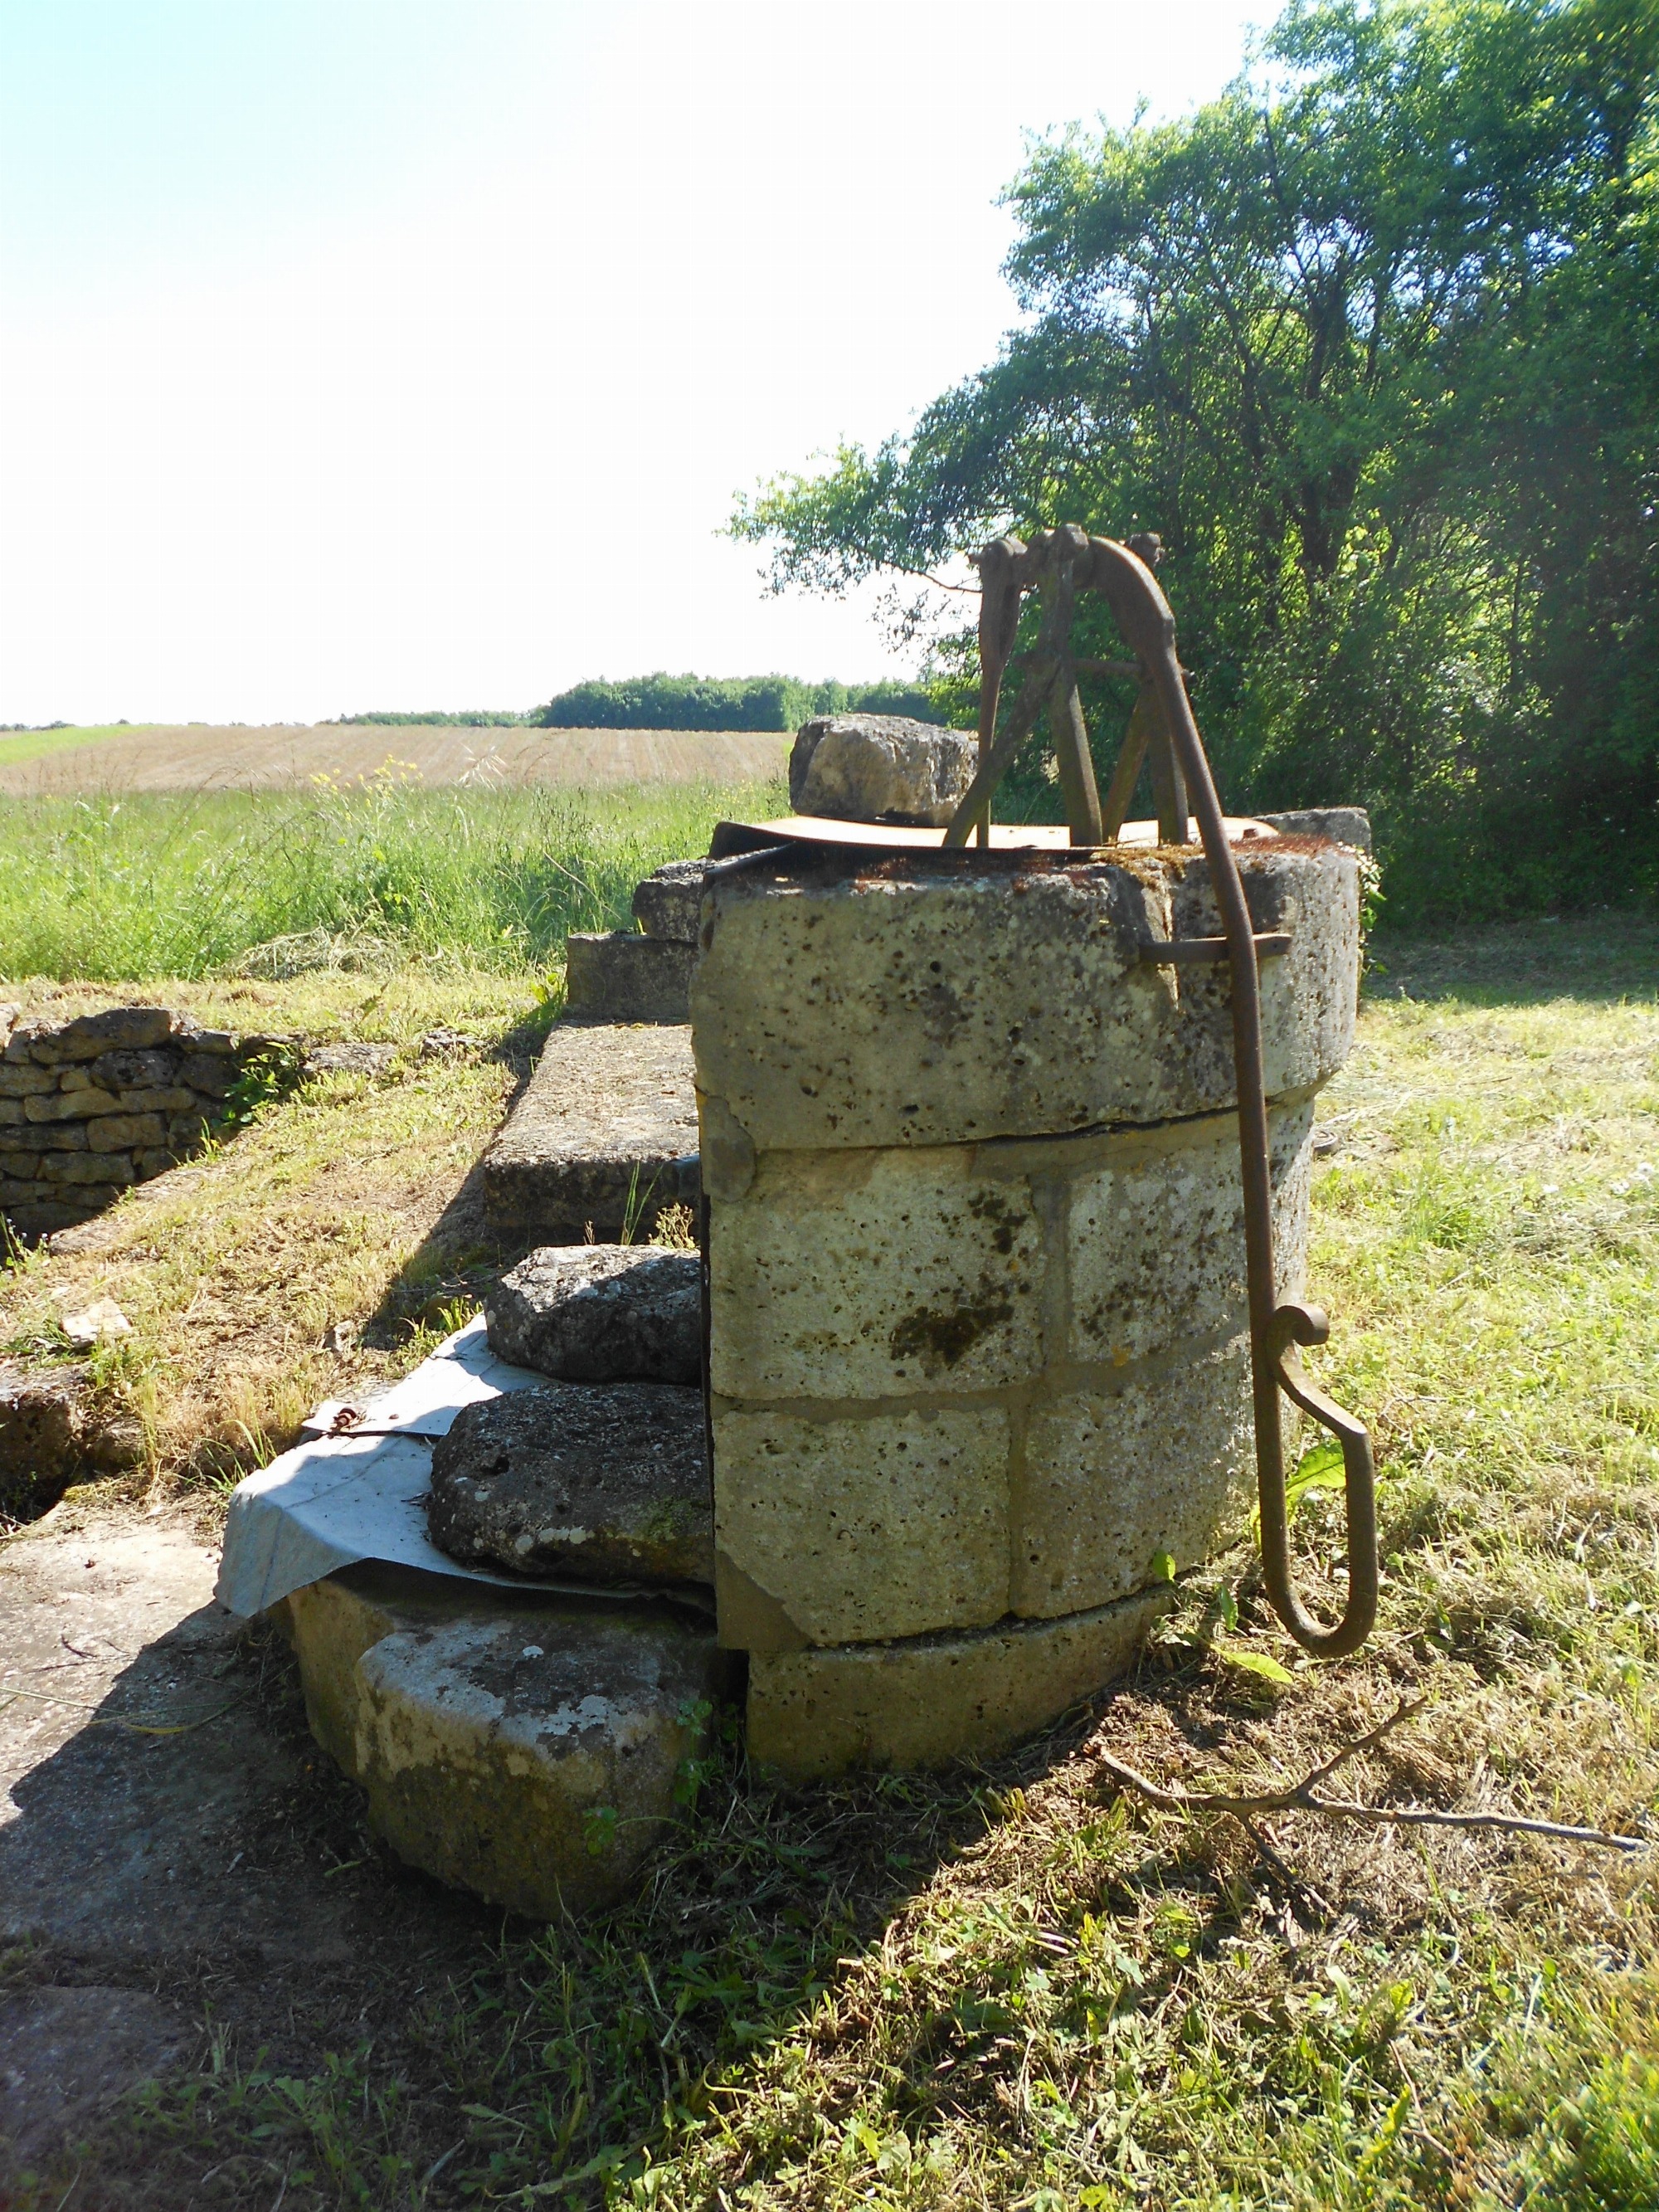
x: 91, y: 1106
x: 529, y: 1748
x: 977, y: 1320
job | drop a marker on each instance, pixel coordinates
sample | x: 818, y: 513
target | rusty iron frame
x: 1058, y: 564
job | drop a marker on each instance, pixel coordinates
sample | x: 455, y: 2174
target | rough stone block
x: 528, y: 1749
x: 186, y: 1131
x: 1154, y: 1235
x: 669, y: 903
x: 217, y: 1041
x: 87, y: 1168
x: 60, y: 1136
x: 128, y: 1071
x: 70, y: 1106
x: 155, y: 1160
x: 42, y: 1432
x: 830, y: 1531
x: 1348, y: 825
x: 927, y: 1000
x: 169, y: 1098
x: 620, y: 976
x: 125, y: 1132
x: 606, y: 1130
x: 120, y: 1029
x: 590, y: 1482
x: 210, y: 1072
x: 21, y: 1167
x: 933, y: 1700
x: 601, y: 1313
x: 1112, y: 1478
x: 874, y: 1274
x: 11, y: 1113
x: 881, y: 768
x: 64, y: 1211
x: 26, y: 1082
x: 14, y: 1192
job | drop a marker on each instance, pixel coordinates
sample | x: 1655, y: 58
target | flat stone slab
x: 617, y: 976
x: 881, y: 767
x: 528, y: 1750
x: 607, y: 1127
x: 601, y: 1313
x: 590, y: 1482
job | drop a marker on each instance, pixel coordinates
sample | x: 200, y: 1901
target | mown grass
x: 369, y: 874
x: 1022, y: 1989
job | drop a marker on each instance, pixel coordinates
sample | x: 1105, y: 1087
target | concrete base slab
x: 930, y: 1700
x: 606, y: 1129
x: 528, y: 1749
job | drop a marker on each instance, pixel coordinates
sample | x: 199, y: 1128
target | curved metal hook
x: 1293, y: 1325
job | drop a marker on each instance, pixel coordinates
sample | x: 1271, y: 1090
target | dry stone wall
x: 91, y: 1106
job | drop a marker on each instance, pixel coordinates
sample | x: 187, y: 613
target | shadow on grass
x: 1606, y: 959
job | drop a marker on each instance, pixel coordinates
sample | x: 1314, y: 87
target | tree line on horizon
x: 1372, y: 341
x: 661, y: 702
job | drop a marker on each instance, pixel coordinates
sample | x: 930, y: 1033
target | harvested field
x: 202, y: 757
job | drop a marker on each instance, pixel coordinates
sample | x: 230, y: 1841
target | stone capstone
x: 617, y: 976
x: 589, y: 1482
x: 530, y: 1749
x: 601, y: 1313
x: 881, y: 768
x: 668, y: 904
x: 604, y: 1137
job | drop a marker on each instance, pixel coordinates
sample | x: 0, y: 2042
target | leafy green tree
x: 1373, y: 342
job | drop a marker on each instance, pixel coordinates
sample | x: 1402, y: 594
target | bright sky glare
x: 409, y: 353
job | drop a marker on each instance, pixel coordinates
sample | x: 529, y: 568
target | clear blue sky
x: 409, y: 353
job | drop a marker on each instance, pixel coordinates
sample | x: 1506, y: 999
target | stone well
x: 979, y: 1367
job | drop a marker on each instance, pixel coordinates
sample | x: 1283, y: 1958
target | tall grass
x: 106, y: 888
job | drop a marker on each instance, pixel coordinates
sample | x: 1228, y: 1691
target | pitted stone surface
x: 886, y: 1526
x: 617, y: 976
x: 1112, y: 1478
x: 602, y: 1483
x: 881, y: 768
x: 601, y: 1313
x: 926, y: 1001
x: 1348, y: 825
x: 528, y: 1749
x: 930, y: 1700
x: 607, y: 1125
x: 874, y: 1274
x: 1154, y: 1235
x: 668, y: 903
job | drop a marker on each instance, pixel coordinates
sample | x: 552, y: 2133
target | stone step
x: 617, y: 976
x: 604, y: 1138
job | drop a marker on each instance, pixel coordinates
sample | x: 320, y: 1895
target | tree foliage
x: 714, y: 702
x: 1373, y: 342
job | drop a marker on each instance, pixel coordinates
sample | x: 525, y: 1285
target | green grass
x: 1019, y: 1989
x: 361, y: 876
x: 19, y: 745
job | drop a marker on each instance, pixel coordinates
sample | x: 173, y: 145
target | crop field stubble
x: 1022, y: 1987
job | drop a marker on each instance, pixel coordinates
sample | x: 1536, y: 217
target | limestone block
x: 61, y: 1136
x: 186, y: 1131
x: 526, y: 1749
x: 1154, y: 1235
x: 932, y: 1700
x: 669, y: 903
x: 70, y: 1106
x: 617, y: 976
x: 119, y: 1029
x: 86, y: 1168
x: 927, y: 1000
x: 606, y: 1130
x: 1348, y: 825
x: 23, y: 1191
x: 874, y: 1274
x: 128, y: 1071
x: 11, y: 1113
x: 123, y: 1132
x: 26, y: 1082
x: 591, y: 1482
x: 601, y: 1313
x: 219, y: 1040
x: 833, y: 1531
x: 1111, y: 1478
x: 65, y: 1211
x: 155, y: 1160
x: 42, y: 1437
x: 21, y: 1167
x: 173, y: 1098
x: 881, y: 768
x: 210, y: 1072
